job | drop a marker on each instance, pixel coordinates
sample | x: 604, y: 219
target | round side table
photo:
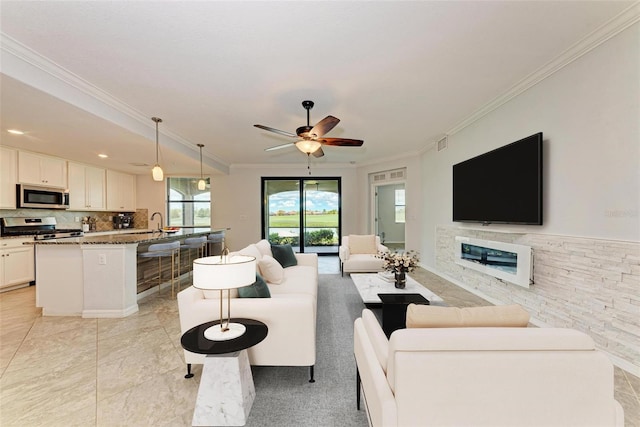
x: 226, y: 390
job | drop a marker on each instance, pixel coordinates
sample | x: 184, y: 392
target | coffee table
x: 369, y: 285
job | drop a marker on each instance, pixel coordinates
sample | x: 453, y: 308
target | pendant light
x: 201, y: 184
x: 156, y: 172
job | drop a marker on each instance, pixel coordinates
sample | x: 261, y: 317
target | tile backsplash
x: 73, y: 219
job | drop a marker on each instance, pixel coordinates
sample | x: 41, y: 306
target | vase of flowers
x: 399, y: 263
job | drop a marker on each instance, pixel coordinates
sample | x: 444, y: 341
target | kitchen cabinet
x: 8, y: 177
x: 17, y: 264
x: 121, y: 192
x: 87, y: 187
x: 42, y: 170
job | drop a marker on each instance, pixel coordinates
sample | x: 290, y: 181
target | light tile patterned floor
x: 64, y: 371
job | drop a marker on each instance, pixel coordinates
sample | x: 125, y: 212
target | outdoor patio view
x: 310, y: 208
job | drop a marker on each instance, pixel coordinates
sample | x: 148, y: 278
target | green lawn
x: 293, y: 221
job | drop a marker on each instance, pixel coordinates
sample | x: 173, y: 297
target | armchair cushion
x: 271, y: 269
x: 258, y: 289
x: 362, y: 244
x: 284, y: 255
x: 427, y: 316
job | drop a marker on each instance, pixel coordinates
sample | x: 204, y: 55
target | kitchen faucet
x: 161, y: 223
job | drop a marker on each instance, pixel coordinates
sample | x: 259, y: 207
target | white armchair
x: 357, y: 254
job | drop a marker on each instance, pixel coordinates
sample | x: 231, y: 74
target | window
x: 400, y: 205
x: 188, y: 206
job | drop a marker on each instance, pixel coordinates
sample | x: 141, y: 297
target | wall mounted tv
x: 501, y: 186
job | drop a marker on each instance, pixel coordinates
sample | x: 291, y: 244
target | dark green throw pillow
x: 258, y: 289
x: 284, y: 255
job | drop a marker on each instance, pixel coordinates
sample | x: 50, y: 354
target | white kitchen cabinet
x: 121, y: 192
x: 42, y: 170
x: 8, y: 177
x: 16, y: 262
x: 87, y: 187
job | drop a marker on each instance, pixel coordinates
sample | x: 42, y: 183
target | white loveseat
x: 290, y: 313
x: 358, y: 254
x: 483, y: 376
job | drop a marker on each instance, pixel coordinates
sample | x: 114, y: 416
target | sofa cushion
x: 258, y: 289
x: 216, y: 294
x: 284, y: 255
x: 299, y: 279
x: 271, y: 269
x: 264, y: 247
x: 362, y: 244
x: 427, y: 316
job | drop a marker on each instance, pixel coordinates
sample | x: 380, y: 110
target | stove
x: 40, y: 228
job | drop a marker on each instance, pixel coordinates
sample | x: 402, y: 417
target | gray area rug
x: 284, y: 396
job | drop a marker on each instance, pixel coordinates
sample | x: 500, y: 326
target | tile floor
x: 64, y: 371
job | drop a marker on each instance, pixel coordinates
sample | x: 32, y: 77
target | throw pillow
x: 284, y: 255
x: 271, y: 269
x: 264, y: 247
x: 258, y: 289
x: 427, y: 316
x: 362, y: 244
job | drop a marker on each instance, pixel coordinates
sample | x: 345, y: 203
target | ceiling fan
x: 310, y: 138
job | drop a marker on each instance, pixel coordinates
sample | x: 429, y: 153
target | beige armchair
x: 357, y: 254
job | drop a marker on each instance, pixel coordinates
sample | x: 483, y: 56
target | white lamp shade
x: 224, y: 272
x: 202, y: 184
x: 308, y: 146
x: 157, y: 173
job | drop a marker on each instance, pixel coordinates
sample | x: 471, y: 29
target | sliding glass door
x: 295, y: 207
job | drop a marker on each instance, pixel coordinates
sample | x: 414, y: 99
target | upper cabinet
x: 121, y: 192
x: 87, y: 187
x: 42, y: 170
x: 8, y: 177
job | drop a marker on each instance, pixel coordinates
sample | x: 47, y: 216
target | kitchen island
x: 96, y: 276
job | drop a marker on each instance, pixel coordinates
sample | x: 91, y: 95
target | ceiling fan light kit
x: 308, y: 146
x: 156, y: 172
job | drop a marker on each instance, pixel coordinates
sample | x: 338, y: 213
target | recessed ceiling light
x: 102, y: 156
x: 15, y: 131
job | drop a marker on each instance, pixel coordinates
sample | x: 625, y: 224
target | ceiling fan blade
x: 323, y: 126
x: 281, y: 132
x: 278, y: 147
x: 318, y: 152
x: 342, y: 142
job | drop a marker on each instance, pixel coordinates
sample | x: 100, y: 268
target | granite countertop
x: 134, y: 237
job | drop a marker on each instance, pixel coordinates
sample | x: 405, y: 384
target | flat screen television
x: 501, y: 186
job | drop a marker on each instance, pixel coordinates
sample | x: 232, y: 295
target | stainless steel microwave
x: 32, y: 196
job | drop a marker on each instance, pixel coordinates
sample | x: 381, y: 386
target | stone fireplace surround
x: 587, y: 284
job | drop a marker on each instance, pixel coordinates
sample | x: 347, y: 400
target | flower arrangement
x: 398, y: 262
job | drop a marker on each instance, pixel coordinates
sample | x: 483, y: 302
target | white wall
x: 586, y: 256
x: 236, y: 202
x: 151, y: 195
x: 589, y: 114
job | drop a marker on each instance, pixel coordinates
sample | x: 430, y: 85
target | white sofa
x: 290, y: 313
x: 359, y: 256
x: 483, y: 376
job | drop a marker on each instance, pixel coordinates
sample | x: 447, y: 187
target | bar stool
x: 215, y: 240
x: 198, y: 243
x: 165, y: 250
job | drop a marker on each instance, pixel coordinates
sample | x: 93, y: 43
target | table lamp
x: 220, y: 273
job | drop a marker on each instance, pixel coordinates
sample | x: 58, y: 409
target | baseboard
x: 100, y: 314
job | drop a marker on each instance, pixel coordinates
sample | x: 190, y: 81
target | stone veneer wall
x: 586, y: 284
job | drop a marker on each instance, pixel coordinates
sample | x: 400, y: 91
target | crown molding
x: 614, y: 26
x: 30, y: 67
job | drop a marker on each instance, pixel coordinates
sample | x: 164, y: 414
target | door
x: 389, y: 211
x: 295, y: 207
